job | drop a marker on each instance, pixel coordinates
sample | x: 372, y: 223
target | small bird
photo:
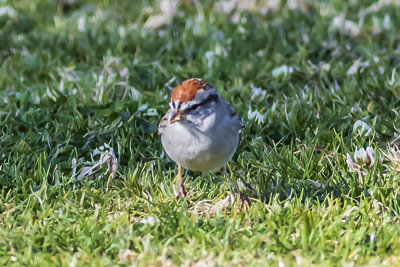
x: 200, y: 131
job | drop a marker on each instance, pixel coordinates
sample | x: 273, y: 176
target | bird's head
x: 187, y: 96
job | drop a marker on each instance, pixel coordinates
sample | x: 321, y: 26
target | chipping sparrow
x: 200, y: 131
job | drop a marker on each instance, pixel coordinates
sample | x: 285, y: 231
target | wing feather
x: 233, y: 114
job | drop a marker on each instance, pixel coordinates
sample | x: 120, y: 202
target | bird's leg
x: 181, y: 190
x: 243, y: 198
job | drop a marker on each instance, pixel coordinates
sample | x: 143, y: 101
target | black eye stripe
x: 209, y: 99
x: 192, y: 108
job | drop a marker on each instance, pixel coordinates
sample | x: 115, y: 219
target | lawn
x: 83, y: 177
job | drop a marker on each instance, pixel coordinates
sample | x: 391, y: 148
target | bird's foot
x: 181, y: 194
x: 244, y: 200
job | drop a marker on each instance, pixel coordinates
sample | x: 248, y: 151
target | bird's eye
x: 193, y: 108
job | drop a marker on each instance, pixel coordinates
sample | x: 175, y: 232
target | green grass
x: 78, y: 80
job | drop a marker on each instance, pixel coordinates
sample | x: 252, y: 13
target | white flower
x: 124, y: 72
x: 168, y: 10
x: 149, y: 220
x: 151, y: 112
x: 356, y: 109
x: 360, y: 156
x: 363, y: 158
x: 356, y: 66
x: 370, y: 155
x: 346, y: 27
x: 7, y: 10
x: 210, y: 57
x: 395, y: 78
x: 325, y: 67
x: 386, y: 22
x: 282, y: 70
x: 81, y: 24
x: 350, y: 163
x: 143, y: 107
x: 362, y: 128
x: 258, y: 94
x: 256, y: 115
x: 122, y: 31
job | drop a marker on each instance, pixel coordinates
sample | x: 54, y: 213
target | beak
x: 175, y: 116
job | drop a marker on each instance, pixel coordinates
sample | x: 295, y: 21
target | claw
x: 244, y: 200
x: 181, y: 192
